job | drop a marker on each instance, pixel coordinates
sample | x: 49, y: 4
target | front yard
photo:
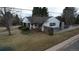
x: 34, y: 41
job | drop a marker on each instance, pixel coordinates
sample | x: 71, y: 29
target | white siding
x: 25, y: 20
x: 52, y: 20
x: 42, y: 28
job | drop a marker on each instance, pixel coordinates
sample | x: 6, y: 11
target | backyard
x: 33, y: 41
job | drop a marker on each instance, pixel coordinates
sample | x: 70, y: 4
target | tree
x: 69, y: 15
x: 77, y: 20
x: 16, y: 20
x: 44, y: 11
x: 60, y: 18
x: 40, y: 11
x: 35, y: 11
x: 6, y: 18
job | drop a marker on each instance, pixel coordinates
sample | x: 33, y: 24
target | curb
x: 64, y: 44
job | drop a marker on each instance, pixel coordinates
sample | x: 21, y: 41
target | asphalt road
x: 73, y: 47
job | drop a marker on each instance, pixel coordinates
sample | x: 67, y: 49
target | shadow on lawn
x: 7, y: 49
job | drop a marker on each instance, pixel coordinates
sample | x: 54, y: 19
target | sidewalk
x: 4, y: 31
x: 70, y: 28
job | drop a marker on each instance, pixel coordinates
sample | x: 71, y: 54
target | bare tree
x: 5, y: 12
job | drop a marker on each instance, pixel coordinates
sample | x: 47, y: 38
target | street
x: 73, y: 47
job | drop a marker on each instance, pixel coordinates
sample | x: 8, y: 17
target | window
x: 52, y: 24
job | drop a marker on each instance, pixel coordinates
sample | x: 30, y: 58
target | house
x: 41, y: 23
x: 51, y: 23
x: 26, y: 23
x: 37, y: 22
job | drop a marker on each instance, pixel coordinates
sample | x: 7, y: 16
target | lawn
x: 34, y: 41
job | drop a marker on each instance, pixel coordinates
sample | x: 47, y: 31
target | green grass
x: 35, y: 41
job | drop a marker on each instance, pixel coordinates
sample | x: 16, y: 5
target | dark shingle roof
x: 29, y: 18
x: 38, y: 19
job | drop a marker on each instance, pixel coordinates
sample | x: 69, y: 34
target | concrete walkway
x: 70, y: 28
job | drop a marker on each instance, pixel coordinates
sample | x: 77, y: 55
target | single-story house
x: 26, y: 23
x: 51, y: 23
x: 42, y: 23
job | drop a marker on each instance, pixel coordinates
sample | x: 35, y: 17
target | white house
x: 41, y: 22
x: 26, y: 22
x: 51, y: 23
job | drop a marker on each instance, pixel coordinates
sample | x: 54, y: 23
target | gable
x: 54, y: 19
x: 25, y: 20
x: 52, y: 22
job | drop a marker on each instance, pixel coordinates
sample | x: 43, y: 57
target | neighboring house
x: 41, y: 23
x: 26, y: 22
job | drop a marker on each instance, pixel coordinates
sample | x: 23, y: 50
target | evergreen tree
x: 77, y: 20
x: 38, y: 11
x: 44, y: 11
x: 35, y: 11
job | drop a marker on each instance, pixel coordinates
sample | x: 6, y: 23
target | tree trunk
x: 9, y: 31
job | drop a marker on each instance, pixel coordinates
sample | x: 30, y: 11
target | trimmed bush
x: 51, y: 31
x: 20, y: 27
x: 24, y: 30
